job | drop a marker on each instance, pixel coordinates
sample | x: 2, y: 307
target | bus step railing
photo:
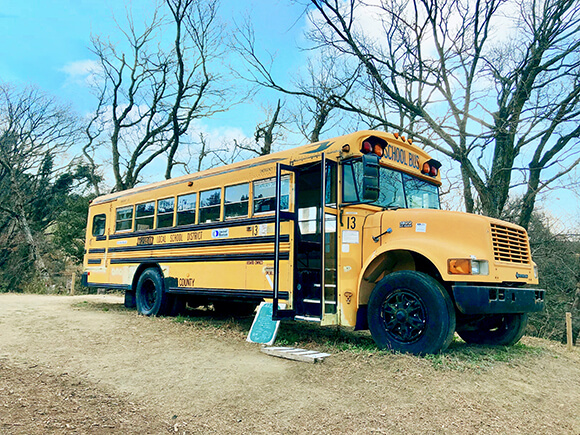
x: 312, y: 301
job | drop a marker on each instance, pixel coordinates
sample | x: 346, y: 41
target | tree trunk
x: 467, y: 195
x: 39, y: 265
x: 267, y: 132
x: 529, y: 198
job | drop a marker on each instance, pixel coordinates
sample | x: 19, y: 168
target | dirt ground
x: 84, y: 364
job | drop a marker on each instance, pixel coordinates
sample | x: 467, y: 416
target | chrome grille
x: 510, y: 244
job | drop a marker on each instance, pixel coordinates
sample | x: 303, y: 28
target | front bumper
x: 473, y: 299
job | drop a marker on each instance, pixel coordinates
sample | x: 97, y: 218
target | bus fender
x: 385, y: 260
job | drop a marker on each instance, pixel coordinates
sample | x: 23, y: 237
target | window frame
x: 247, y: 201
x: 213, y: 206
x: 272, y: 180
x: 100, y: 215
x: 147, y: 216
x: 160, y: 214
x: 195, y: 209
x: 117, y: 221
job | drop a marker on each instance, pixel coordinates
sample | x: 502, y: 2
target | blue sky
x: 42, y: 40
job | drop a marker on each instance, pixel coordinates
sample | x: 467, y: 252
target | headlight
x: 467, y: 266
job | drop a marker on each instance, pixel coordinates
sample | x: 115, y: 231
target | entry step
x: 308, y: 318
x: 295, y: 354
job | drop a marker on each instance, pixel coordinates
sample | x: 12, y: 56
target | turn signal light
x: 459, y: 266
x: 467, y: 266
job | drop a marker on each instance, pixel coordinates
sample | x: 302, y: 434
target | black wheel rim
x: 404, y: 316
x: 149, y: 294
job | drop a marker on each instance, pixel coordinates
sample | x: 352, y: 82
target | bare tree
x: 35, y: 131
x: 318, y: 91
x: 149, y: 94
x: 435, y: 71
x: 198, y: 42
x: 266, y: 134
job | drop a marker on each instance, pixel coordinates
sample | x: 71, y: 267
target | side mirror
x: 370, y: 177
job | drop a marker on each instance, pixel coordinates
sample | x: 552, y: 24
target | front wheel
x: 496, y: 329
x: 411, y: 312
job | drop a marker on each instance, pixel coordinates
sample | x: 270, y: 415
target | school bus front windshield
x: 397, y: 189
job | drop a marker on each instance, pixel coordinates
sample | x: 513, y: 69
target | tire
x: 411, y: 312
x: 150, y: 296
x: 495, y: 330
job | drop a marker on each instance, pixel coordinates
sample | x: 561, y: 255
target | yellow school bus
x: 346, y: 231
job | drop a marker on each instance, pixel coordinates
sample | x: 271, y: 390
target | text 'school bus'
x: 346, y: 231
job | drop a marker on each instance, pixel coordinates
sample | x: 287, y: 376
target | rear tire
x: 495, y: 330
x: 411, y: 312
x: 150, y: 295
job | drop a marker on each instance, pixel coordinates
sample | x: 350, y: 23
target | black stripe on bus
x: 196, y: 227
x: 230, y: 293
x: 97, y: 251
x: 198, y: 258
x: 284, y: 238
x: 94, y: 261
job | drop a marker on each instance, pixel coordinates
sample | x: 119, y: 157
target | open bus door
x: 315, y: 249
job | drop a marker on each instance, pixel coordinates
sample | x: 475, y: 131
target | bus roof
x: 399, y: 153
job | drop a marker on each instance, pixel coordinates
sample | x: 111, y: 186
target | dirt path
x: 84, y: 365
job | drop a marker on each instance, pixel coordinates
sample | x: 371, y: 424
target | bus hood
x: 442, y: 236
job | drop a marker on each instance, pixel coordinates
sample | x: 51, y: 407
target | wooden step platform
x: 303, y: 355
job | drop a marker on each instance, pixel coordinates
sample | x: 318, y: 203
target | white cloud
x: 83, y: 72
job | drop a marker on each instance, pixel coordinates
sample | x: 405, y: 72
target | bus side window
x: 265, y: 194
x: 186, y: 209
x: 209, y: 205
x: 144, y: 216
x: 236, y: 201
x: 165, y: 208
x: 124, y: 219
x: 99, y: 224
